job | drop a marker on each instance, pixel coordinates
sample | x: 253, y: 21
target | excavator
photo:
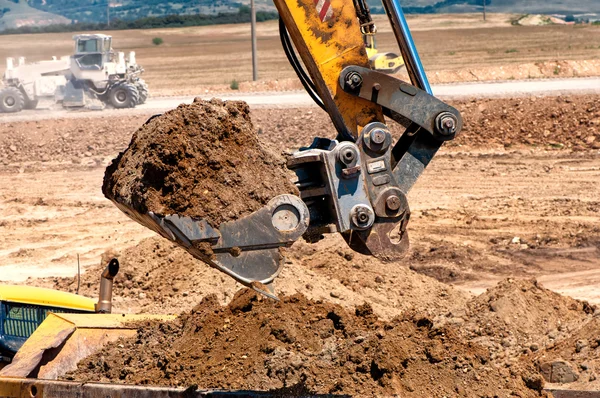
x: 354, y: 184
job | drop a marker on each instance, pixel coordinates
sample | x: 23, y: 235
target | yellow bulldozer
x: 44, y: 333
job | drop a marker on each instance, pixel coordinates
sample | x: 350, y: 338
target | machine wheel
x: 124, y: 95
x: 142, y: 90
x: 31, y: 104
x: 11, y: 100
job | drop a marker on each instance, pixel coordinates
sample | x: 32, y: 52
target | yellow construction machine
x: 380, y: 61
x: 354, y: 183
x: 44, y: 332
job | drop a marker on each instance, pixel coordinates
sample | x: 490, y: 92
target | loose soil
x: 259, y: 344
x: 202, y: 160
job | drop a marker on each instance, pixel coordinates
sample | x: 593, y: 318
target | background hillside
x: 15, y: 13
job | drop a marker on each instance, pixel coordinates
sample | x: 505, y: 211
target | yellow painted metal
x: 62, y: 340
x: 46, y: 297
x: 326, y: 48
x: 382, y: 62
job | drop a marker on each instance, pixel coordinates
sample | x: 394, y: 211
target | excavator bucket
x: 62, y: 340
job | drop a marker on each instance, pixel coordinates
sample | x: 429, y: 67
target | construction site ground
x: 515, y: 196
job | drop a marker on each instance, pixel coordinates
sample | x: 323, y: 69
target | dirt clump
x: 202, y: 160
x: 259, y: 344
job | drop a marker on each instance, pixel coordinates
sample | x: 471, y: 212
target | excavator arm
x: 356, y: 184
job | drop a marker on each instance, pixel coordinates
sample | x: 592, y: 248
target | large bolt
x: 378, y: 136
x: 393, y: 202
x: 354, y: 80
x: 362, y: 217
x: 446, y: 123
x: 347, y: 156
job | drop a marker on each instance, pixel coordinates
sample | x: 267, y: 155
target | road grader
x: 93, y: 77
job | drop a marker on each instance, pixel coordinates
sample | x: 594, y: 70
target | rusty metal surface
x: 561, y: 393
x: 33, y: 388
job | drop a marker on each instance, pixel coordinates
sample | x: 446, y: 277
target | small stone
x: 559, y: 371
x: 359, y: 339
x: 590, y: 139
x: 13, y: 148
x: 534, y: 347
x: 185, y: 294
x: 584, y: 366
x: 378, y: 279
x: 580, y: 345
x: 592, y: 377
x: 516, y: 240
x: 334, y: 294
x: 142, y: 296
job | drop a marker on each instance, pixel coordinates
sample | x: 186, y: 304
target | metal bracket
x: 353, y: 186
x: 434, y: 116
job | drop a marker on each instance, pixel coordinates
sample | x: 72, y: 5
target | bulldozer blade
x: 62, y: 340
x: 74, y: 96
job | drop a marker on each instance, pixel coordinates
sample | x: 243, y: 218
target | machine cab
x: 24, y: 308
x: 92, y: 51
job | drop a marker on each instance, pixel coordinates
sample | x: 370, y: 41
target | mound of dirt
x: 521, y: 316
x: 202, y: 160
x: 557, y: 122
x: 563, y: 121
x: 156, y: 276
x: 259, y: 344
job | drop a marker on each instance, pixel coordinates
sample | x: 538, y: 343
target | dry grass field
x: 193, y: 59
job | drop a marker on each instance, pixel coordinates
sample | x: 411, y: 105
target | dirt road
x: 47, y: 110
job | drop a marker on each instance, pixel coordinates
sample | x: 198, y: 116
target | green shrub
x: 157, y: 41
x: 234, y: 85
